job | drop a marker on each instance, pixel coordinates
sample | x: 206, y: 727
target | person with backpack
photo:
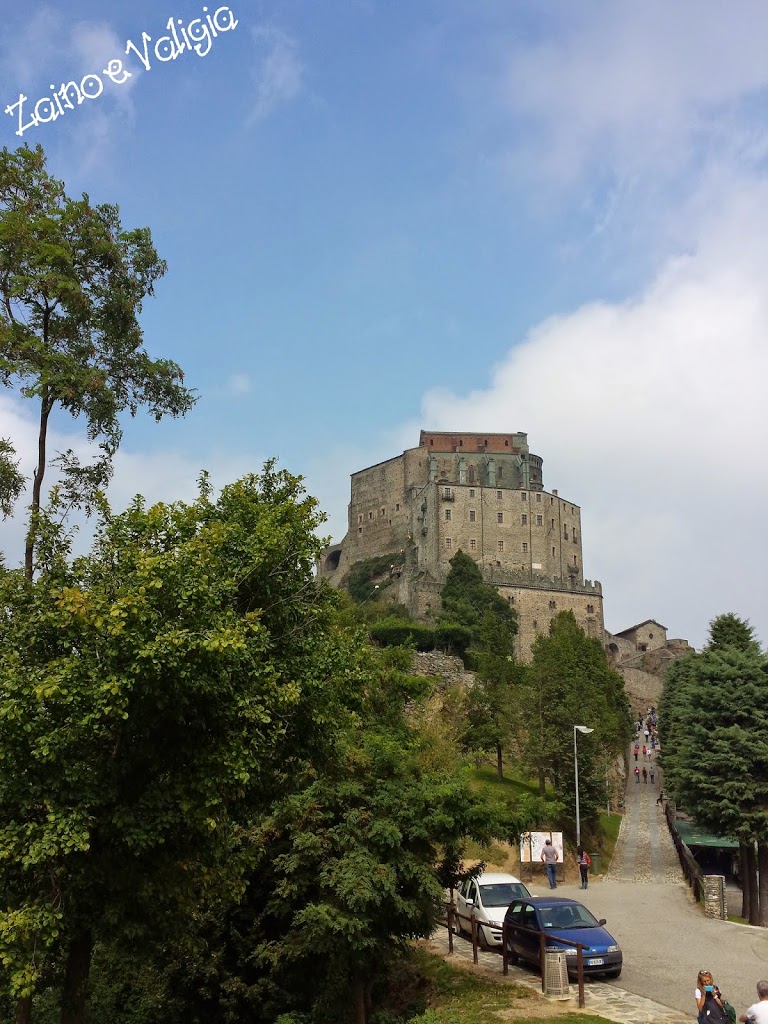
x: 711, y: 1006
x: 583, y: 860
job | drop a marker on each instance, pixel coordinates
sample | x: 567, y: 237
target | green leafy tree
x: 72, y: 283
x: 713, y: 720
x: 153, y: 696
x: 729, y: 630
x: 570, y: 683
x: 352, y: 866
x: 492, y: 704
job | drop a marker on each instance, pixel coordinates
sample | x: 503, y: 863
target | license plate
x: 595, y: 963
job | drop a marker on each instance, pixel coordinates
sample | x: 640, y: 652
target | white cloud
x: 239, y: 384
x: 279, y: 73
x: 636, y: 87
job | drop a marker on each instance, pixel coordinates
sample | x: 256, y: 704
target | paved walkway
x: 662, y: 931
x: 609, y: 1001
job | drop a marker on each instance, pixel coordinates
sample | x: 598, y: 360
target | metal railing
x: 452, y: 916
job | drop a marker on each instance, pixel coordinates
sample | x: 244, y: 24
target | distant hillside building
x: 482, y: 494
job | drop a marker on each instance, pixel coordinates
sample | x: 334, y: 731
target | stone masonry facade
x: 482, y: 494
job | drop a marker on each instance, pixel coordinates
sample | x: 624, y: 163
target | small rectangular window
x: 471, y: 492
x: 500, y: 473
x: 551, y: 605
x: 448, y: 542
x: 448, y: 515
x: 499, y: 517
x: 553, y: 552
x: 565, y: 532
x: 500, y: 545
x: 499, y: 494
x: 553, y: 524
x: 523, y: 496
x: 539, y: 520
x: 360, y: 518
x: 538, y: 496
x: 574, y: 560
x: 523, y: 519
x: 397, y: 507
x: 525, y: 546
x: 575, y: 538
x: 590, y: 608
x: 382, y: 511
x: 551, y: 501
x: 370, y: 515
x: 359, y: 529
x: 472, y: 544
x: 446, y: 492
x: 472, y: 515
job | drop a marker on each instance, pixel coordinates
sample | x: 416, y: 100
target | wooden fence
x: 452, y: 917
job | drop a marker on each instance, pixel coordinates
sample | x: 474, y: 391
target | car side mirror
x: 602, y: 921
x: 470, y: 903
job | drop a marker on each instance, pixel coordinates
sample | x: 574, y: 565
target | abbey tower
x: 482, y: 494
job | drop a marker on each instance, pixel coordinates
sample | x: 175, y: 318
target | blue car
x: 567, y: 919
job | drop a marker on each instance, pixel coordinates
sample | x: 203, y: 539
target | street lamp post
x: 582, y: 729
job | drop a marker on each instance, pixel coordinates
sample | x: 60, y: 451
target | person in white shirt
x: 758, y: 1012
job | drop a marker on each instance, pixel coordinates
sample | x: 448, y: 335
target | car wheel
x: 482, y: 937
x: 614, y: 974
x: 512, y: 956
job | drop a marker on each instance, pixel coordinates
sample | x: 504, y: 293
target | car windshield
x: 567, y: 916
x: 501, y: 894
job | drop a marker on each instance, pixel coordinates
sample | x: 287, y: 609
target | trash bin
x: 555, y: 973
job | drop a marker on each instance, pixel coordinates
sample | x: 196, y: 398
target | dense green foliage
x: 448, y: 637
x: 729, y: 630
x: 72, y: 283
x: 570, y: 683
x: 207, y: 778
x: 713, y: 719
x: 493, y: 702
x: 368, y: 573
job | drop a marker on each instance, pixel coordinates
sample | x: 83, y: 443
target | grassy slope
x: 456, y: 996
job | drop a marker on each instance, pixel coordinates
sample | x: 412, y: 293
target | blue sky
x: 465, y: 214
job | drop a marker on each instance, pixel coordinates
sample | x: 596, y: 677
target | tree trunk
x: 762, y: 867
x: 24, y: 1011
x: 542, y: 783
x: 76, y: 978
x: 358, y: 997
x: 754, y: 896
x: 37, y: 484
x: 746, y: 881
x: 499, y: 763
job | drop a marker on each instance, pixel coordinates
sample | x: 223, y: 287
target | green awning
x: 692, y: 835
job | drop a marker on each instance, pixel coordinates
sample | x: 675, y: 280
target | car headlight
x: 613, y: 949
x: 568, y: 950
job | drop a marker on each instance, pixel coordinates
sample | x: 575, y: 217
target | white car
x: 486, y: 898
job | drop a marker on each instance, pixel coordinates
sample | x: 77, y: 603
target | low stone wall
x: 448, y: 667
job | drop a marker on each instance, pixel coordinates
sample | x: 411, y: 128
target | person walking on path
x: 645, y: 753
x: 584, y: 860
x: 651, y: 773
x: 645, y: 775
x: 549, y: 856
x: 637, y: 774
x: 660, y: 798
x: 758, y: 1012
x: 709, y: 1001
x: 637, y: 750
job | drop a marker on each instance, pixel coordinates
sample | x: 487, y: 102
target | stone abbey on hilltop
x: 482, y: 494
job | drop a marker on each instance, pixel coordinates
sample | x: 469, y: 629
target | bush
x: 393, y: 632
